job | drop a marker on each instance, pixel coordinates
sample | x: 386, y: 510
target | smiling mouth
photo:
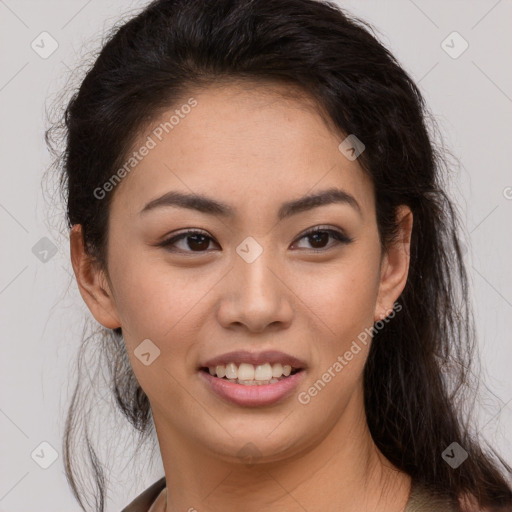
x: 251, y: 375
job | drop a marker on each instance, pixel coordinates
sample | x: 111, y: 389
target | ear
x: 92, y: 282
x: 395, y: 265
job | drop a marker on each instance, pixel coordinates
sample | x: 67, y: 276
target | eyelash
x: 335, y: 234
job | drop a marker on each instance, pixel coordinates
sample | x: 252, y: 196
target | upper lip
x: 255, y: 358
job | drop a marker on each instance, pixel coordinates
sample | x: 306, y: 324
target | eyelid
x: 176, y: 237
x: 324, y: 227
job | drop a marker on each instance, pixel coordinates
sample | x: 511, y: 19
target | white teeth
x: 277, y: 370
x: 246, y: 373
x: 231, y: 371
x: 263, y: 372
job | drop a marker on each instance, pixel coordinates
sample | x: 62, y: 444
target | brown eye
x: 191, y: 241
x: 318, y: 238
x: 198, y: 242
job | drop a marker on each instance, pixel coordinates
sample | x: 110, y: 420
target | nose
x: 255, y: 296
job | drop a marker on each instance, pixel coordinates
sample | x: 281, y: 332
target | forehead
x: 246, y: 143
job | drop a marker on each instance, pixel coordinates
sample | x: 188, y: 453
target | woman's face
x: 252, y: 286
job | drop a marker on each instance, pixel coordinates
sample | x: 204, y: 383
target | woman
x: 258, y: 219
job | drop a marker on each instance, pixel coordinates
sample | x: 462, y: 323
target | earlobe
x: 92, y: 282
x: 395, y: 265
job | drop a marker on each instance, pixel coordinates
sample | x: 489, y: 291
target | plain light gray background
x: 471, y: 97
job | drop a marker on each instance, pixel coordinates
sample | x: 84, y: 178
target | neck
x: 345, y: 468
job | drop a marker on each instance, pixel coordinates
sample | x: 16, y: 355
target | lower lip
x: 252, y: 396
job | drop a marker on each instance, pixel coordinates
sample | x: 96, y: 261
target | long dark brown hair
x: 418, y: 375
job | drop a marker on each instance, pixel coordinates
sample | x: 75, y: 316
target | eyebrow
x: 211, y: 206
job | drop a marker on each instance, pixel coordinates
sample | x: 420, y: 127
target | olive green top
x: 420, y: 500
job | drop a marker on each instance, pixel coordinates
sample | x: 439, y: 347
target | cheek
x: 343, y: 295
x: 165, y: 306
x: 168, y: 305
x: 344, y: 302
x: 162, y: 313
x: 153, y: 299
